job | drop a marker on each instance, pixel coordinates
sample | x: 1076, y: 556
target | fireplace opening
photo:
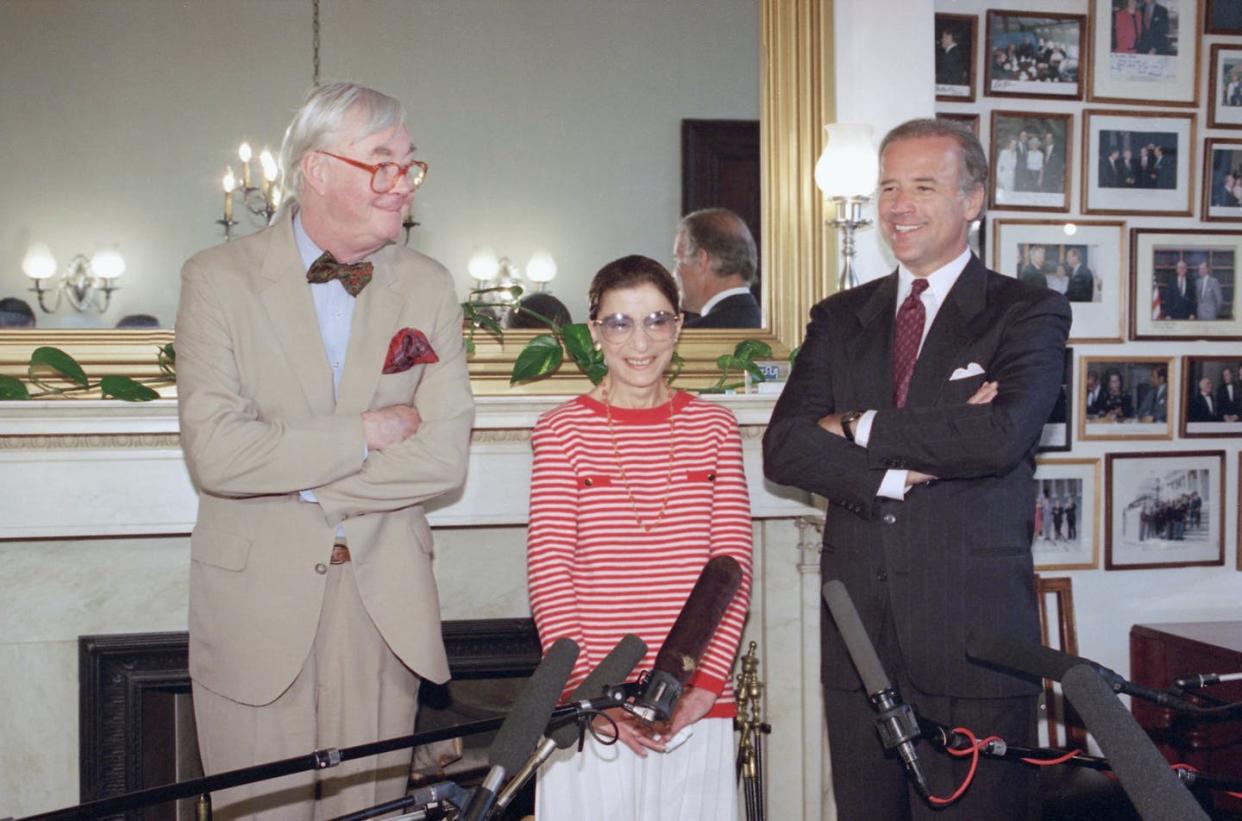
x: 136, y: 716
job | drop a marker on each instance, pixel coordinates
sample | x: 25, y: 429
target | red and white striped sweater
x: 594, y: 574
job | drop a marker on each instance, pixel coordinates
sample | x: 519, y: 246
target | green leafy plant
x: 47, y: 363
x: 546, y: 352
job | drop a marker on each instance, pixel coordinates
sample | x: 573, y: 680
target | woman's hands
x: 639, y: 736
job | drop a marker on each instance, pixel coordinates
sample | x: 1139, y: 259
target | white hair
x: 318, y: 122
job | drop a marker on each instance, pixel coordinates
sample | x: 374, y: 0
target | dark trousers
x: 871, y: 785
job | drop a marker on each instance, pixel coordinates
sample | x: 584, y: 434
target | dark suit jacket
x: 1173, y: 305
x: 951, y: 67
x: 1200, y: 412
x: 1081, y: 286
x: 1155, y: 34
x: 738, y: 311
x: 956, y: 553
x: 1225, y: 405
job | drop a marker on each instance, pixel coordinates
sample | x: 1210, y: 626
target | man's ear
x: 973, y: 204
x: 313, y: 168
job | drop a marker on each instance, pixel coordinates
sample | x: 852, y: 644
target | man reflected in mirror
x: 716, y: 262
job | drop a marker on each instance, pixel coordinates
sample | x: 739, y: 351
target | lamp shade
x: 483, y: 265
x: 849, y: 165
x: 107, y: 264
x: 541, y: 268
x: 39, y: 262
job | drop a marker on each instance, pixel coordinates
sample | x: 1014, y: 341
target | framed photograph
x: 1124, y: 398
x: 970, y: 121
x: 956, y: 35
x: 1138, y: 163
x: 1213, y: 396
x: 1164, y: 509
x: 1183, y: 284
x: 1222, y: 180
x: 1066, y: 514
x: 1223, y: 17
x: 1031, y: 156
x: 1034, y: 55
x: 1225, y: 87
x: 1086, y: 261
x: 1056, y: 433
x: 1145, y: 51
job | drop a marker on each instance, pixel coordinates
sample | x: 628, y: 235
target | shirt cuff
x: 862, y: 428
x: 308, y: 496
x: 893, y: 486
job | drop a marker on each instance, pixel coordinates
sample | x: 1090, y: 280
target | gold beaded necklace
x: 625, y: 481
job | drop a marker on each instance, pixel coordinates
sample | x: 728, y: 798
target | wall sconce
x: 261, y: 200
x: 846, y: 172
x: 86, y: 283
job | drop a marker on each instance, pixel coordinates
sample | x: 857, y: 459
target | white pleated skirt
x: 694, y: 782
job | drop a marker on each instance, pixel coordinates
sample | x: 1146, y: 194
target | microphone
x: 611, y: 671
x: 897, y: 724
x: 524, y: 725
x: 1044, y: 662
x: 678, y: 658
x: 1152, y: 787
x: 1194, y: 681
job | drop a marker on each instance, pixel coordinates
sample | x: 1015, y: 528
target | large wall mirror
x: 548, y: 126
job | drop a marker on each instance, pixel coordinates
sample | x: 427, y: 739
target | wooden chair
x: 1057, y: 630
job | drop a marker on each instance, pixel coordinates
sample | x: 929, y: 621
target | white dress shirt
x: 939, y: 283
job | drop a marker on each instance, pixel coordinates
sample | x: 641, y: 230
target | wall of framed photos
x: 1113, y: 142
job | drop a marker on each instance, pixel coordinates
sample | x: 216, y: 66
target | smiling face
x: 351, y: 219
x: 923, y: 213
x: 636, y: 365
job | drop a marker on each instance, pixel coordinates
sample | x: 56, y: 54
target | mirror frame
x: 799, y: 252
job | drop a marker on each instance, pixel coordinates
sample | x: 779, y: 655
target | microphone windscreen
x: 1024, y: 657
x: 613, y: 670
x: 857, y: 643
x: 698, y: 619
x: 523, y: 727
x: 1151, y: 786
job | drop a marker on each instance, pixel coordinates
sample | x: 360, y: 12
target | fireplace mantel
x: 108, y: 468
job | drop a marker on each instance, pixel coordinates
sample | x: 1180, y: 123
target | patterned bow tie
x: 354, y: 277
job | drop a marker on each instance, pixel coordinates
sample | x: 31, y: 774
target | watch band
x: 847, y: 424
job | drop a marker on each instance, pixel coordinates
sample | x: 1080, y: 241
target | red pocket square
x: 409, y: 347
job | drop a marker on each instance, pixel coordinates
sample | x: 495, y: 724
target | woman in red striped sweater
x: 635, y: 487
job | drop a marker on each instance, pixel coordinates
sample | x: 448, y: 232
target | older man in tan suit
x: 324, y: 399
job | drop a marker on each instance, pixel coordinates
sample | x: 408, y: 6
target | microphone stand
x: 201, y: 788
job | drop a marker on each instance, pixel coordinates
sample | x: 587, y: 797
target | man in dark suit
x: 1228, y: 399
x: 715, y: 264
x: 1165, y: 169
x: 1054, y: 165
x: 1178, y: 299
x: 1111, y: 173
x: 1082, y: 280
x: 915, y: 407
x: 950, y: 63
x: 1154, y: 37
x: 1203, y: 406
x: 1155, y: 404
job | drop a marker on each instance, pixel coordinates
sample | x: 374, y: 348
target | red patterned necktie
x: 354, y: 277
x: 909, y: 335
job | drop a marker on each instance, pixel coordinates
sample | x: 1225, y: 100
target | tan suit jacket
x: 259, y: 424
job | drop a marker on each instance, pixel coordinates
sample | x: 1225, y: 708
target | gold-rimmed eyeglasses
x: 659, y: 326
x: 384, y: 175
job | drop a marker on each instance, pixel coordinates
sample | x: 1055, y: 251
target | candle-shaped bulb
x: 270, y: 169
x: 244, y: 152
x: 229, y: 182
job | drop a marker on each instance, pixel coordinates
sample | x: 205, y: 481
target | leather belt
x: 340, y: 553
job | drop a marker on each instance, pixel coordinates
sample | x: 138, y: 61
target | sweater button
x: 588, y: 482
x: 711, y: 477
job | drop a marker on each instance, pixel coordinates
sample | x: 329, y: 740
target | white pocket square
x: 973, y: 369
